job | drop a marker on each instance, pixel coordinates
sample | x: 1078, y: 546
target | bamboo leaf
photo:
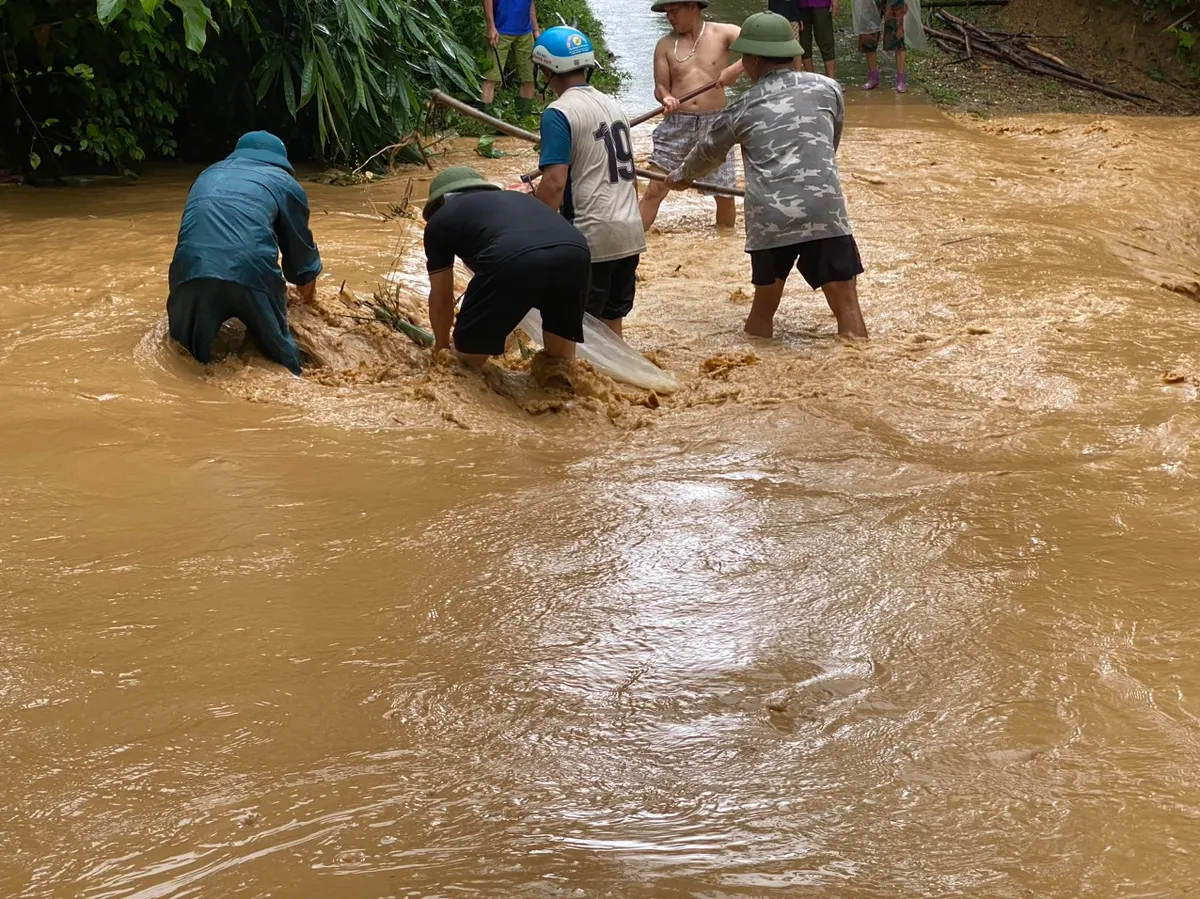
x: 308, y: 78
x: 328, y: 69
x: 268, y: 78
x: 289, y: 92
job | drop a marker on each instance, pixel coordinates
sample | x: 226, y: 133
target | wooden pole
x: 500, y: 125
x: 530, y: 177
x: 690, y: 95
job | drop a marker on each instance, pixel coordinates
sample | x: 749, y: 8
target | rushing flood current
x: 910, y: 618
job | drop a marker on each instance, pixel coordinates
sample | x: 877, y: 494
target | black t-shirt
x: 487, y: 228
x: 789, y: 9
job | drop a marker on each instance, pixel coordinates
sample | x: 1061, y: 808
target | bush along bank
x: 473, y: 31
x: 101, y: 85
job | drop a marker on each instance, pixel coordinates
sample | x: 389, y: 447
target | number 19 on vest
x: 620, y: 150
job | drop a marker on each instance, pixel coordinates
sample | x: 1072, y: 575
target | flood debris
x: 961, y: 38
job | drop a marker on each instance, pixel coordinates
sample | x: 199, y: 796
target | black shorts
x: 553, y: 280
x: 819, y: 261
x: 614, y: 285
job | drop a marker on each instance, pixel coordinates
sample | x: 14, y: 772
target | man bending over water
x: 693, y: 55
x: 523, y: 255
x: 789, y: 125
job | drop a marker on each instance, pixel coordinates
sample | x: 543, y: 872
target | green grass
x: 943, y: 95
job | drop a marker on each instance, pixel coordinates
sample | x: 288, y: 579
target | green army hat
x: 767, y: 34
x: 455, y: 178
x: 661, y: 5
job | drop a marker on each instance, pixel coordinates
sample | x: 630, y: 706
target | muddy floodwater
x: 916, y: 617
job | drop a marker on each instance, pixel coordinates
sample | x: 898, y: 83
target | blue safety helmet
x: 564, y: 49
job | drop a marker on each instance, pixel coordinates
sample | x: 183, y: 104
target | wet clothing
x: 677, y: 134
x: 893, y: 13
x: 819, y: 261
x: 817, y: 24
x: 521, y: 48
x: 614, y: 288
x: 587, y: 131
x: 196, y: 309
x: 553, y: 280
x: 523, y: 255
x: 241, y: 215
x: 789, y: 126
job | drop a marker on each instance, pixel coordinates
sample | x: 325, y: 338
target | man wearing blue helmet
x: 241, y: 217
x: 588, y: 171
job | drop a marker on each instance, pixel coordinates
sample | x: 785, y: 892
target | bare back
x: 677, y: 73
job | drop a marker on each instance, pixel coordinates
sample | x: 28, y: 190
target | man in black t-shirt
x: 523, y: 255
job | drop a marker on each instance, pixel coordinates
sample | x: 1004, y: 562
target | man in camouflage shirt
x: 789, y: 125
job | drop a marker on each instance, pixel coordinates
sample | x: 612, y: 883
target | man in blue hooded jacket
x: 241, y: 215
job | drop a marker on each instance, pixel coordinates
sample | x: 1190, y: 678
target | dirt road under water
x: 915, y: 617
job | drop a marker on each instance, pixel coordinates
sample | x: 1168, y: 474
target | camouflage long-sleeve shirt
x: 789, y: 126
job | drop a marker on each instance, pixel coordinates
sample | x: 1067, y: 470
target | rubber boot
x: 524, y: 108
x: 902, y: 83
x: 872, y: 80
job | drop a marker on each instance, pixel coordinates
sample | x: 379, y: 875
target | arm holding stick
x: 489, y: 13
x: 662, y: 79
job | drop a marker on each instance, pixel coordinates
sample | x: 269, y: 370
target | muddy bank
x: 1123, y: 44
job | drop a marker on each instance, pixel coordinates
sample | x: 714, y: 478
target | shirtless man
x: 695, y: 54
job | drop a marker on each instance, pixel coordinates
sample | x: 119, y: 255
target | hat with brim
x: 767, y: 34
x: 454, y: 179
x: 661, y: 5
x: 262, y: 146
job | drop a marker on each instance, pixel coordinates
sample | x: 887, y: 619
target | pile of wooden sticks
x: 962, y: 39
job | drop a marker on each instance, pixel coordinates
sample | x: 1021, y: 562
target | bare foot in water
x: 756, y: 327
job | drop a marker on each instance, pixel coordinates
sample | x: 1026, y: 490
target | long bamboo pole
x: 512, y: 130
x: 530, y: 177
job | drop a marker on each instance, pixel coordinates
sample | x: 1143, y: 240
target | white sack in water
x: 868, y: 21
x: 609, y: 354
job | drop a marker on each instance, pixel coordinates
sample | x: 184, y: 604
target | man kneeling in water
x: 789, y: 125
x: 523, y: 255
x: 241, y: 215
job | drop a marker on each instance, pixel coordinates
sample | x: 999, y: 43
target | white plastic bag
x: 866, y: 17
x: 609, y: 354
x: 868, y: 21
x: 914, y: 28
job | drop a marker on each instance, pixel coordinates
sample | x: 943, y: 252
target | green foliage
x: 109, y: 83
x: 487, y: 148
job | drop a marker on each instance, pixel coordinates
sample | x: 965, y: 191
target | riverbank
x: 1126, y: 46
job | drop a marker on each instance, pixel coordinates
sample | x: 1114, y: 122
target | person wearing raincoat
x: 896, y: 24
